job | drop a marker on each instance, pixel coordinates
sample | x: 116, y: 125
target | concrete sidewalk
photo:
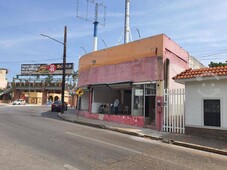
x: 205, y: 144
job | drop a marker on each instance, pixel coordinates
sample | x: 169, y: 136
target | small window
x: 212, y: 113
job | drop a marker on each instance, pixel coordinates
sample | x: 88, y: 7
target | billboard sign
x: 45, y: 69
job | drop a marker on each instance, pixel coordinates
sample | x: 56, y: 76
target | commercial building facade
x: 136, y: 73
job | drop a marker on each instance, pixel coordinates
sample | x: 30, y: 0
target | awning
x: 145, y: 82
x: 98, y: 85
x: 7, y: 91
x: 125, y: 84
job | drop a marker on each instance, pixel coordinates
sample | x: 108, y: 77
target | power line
x: 207, y: 50
x: 213, y: 54
x: 32, y: 60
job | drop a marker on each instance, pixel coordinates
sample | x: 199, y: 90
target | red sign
x: 52, y: 68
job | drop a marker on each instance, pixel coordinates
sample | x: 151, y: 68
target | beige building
x: 3, y: 80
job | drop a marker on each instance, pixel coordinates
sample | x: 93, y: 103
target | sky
x: 198, y: 26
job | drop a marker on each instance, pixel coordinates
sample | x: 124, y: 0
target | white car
x: 19, y: 102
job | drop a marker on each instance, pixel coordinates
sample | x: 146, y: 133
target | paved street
x: 32, y: 137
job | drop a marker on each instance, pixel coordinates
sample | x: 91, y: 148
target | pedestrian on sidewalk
x: 116, y: 104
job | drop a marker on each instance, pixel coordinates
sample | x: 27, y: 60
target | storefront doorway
x: 144, y: 102
x: 150, y: 111
x: 150, y: 96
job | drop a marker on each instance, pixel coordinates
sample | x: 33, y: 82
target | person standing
x: 116, y: 104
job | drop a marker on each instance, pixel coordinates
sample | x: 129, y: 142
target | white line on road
x: 69, y: 167
x: 131, y: 150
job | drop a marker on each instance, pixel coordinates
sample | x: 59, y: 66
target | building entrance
x: 150, y: 110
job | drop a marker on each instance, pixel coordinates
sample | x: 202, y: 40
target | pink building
x: 137, y: 74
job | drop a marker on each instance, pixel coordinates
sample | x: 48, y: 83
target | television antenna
x: 84, y: 11
x: 126, y: 32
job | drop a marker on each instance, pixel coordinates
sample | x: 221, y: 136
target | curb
x: 200, y: 147
x: 168, y: 141
x: 81, y: 123
x: 123, y: 131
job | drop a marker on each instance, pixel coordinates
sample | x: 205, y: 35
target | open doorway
x: 150, y: 97
x: 150, y: 111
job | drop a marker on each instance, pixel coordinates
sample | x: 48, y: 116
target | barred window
x: 212, y: 113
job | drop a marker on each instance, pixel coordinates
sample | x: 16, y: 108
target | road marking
x: 134, y: 151
x: 131, y: 150
x: 70, y: 167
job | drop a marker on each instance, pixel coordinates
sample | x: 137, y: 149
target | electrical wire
x: 30, y: 61
x: 213, y: 54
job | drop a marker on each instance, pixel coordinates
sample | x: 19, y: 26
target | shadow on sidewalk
x: 52, y: 115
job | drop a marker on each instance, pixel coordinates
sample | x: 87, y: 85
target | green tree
x: 49, y: 78
x: 213, y: 64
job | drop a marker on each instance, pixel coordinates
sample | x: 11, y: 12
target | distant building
x: 3, y: 79
x: 4, y: 96
x: 42, y: 83
x: 194, y: 63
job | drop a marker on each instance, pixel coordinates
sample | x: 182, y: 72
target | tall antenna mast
x: 126, y: 31
x: 127, y: 28
x: 91, y: 5
x: 95, y: 42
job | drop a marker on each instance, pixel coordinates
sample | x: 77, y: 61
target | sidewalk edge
x: 200, y: 147
x: 81, y: 123
x: 169, y: 141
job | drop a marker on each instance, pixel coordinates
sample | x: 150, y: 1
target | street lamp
x: 64, y: 62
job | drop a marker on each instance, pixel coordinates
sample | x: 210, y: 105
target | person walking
x: 116, y: 104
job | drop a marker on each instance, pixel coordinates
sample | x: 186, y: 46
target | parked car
x: 57, y: 105
x: 19, y: 102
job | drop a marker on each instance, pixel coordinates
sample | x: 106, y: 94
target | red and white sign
x: 52, y: 68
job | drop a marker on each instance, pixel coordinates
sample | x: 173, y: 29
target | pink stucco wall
x: 135, y: 61
x: 142, y: 69
x: 174, y: 48
x: 177, y: 64
x: 123, y: 119
x: 178, y: 60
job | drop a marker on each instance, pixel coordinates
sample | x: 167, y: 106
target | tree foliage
x: 213, y: 64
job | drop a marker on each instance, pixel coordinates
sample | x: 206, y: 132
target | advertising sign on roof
x: 45, y: 69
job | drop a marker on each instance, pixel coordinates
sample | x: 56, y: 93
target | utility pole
x: 29, y: 86
x: 63, y: 73
x: 63, y: 65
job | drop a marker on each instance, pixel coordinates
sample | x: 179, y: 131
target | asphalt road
x: 32, y: 137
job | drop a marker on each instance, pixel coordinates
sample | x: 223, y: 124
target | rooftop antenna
x: 127, y: 31
x: 127, y: 28
x: 91, y: 5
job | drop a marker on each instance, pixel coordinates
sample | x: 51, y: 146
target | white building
x: 3, y: 80
x: 205, y: 101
